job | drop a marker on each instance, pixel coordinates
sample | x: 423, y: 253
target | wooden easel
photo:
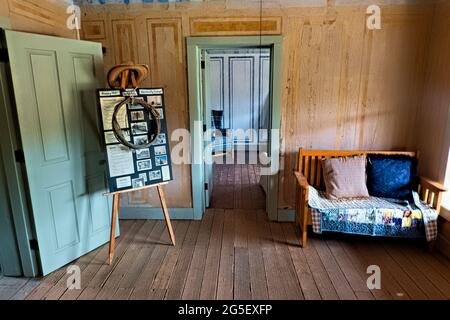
x: 115, y: 210
x: 129, y: 75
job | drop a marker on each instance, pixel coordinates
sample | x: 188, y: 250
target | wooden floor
x: 237, y: 187
x: 239, y: 254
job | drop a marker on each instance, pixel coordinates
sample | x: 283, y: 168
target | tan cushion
x: 345, y: 177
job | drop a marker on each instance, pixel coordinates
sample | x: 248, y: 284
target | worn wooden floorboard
x: 235, y: 252
x: 211, y: 274
x: 177, y: 281
x: 389, y: 281
x: 258, y: 279
x: 304, y: 274
x: 197, y: 267
x: 360, y: 265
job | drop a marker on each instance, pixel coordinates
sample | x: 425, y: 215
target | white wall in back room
x: 239, y: 85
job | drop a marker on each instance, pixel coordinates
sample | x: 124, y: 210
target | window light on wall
x: 446, y: 196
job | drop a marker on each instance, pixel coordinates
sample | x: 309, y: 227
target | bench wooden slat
x: 306, y: 170
x: 312, y: 177
x: 319, y: 173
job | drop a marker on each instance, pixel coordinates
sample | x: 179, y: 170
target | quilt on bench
x: 373, y: 216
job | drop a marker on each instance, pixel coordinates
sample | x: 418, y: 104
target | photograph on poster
x: 154, y: 175
x: 165, y: 173
x: 138, y: 183
x: 144, y: 165
x: 161, y: 112
x: 140, y: 140
x: 161, y: 160
x: 142, y: 154
x: 161, y: 139
x: 160, y: 150
x: 154, y: 100
x: 143, y: 176
x: 135, y: 107
x: 137, y: 115
x: 139, y: 128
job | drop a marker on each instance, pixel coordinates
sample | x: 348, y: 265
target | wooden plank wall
x: 433, y: 125
x: 344, y: 87
x: 37, y: 16
x: 351, y: 88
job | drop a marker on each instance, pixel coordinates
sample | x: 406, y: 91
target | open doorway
x: 236, y: 95
x: 202, y: 160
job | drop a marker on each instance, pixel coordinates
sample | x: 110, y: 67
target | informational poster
x: 128, y: 168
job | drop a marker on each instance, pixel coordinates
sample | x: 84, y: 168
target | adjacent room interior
x: 181, y: 149
x: 237, y: 88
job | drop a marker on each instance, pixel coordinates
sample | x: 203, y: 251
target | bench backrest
x: 310, y: 165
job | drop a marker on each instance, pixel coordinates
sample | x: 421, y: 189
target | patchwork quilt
x: 373, y: 216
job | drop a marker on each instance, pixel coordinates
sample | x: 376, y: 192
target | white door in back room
x: 239, y: 85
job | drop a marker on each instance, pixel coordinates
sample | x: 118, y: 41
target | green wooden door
x: 54, y: 83
x: 9, y: 252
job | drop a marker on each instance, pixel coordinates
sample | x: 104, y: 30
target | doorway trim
x: 195, y: 45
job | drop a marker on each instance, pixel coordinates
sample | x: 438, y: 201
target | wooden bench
x: 310, y: 174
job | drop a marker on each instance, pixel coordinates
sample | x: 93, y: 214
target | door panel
x: 99, y: 205
x: 241, y: 95
x: 54, y: 83
x: 62, y: 208
x: 48, y: 106
x: 216, y: 93
x: 264, y: 101
x: 85, y: 95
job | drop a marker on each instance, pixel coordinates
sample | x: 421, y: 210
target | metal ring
x: 118, y: 132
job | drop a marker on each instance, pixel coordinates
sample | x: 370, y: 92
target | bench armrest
x: 302, y: 214
x: 432, y: 185
x: 301, y: 180
x: 431, y: 192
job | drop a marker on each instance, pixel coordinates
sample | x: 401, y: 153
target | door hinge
x: 202, y: 64
x: 204, y: 128
x: 4, y: 57
x: 34, y: 245
x: 19, y: 156
x: 206, y: 186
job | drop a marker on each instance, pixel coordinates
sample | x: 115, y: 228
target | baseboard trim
x: 286, y: 215
x: 445, y: 213
x: 146, y: 213
x: 443, y: 245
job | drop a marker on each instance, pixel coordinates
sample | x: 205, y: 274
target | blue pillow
x: 391, y: 176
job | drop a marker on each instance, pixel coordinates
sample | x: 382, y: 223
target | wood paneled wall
x: 433, y: 125
x: 37, y: 16
x: 344, y: 86
x: 351, y: 88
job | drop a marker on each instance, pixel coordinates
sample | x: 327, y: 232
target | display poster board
x: 130, y: 169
